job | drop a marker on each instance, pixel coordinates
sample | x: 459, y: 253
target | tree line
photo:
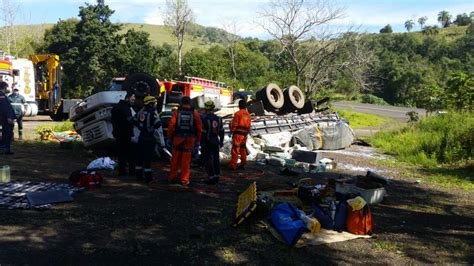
x: 426, y: 70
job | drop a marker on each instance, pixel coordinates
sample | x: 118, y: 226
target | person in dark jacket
x: 212, y: 140
x: 17, y: 101
x: 7, y: 116
x: 122, y: 122
x: 148, y: 123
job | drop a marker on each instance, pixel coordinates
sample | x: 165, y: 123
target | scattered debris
x: 13, y: 195
x: 246, y: 204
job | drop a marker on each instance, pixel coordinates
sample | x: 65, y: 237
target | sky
x: 366, y: 16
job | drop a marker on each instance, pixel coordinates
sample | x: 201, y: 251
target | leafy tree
x: 422, y: 21
x: 409, y: 24
x: 460, y: 91
x: 95, y: 49
x: 463, y: 20
x: 444, y: 18
x: 291, y: 22
x: 59, y: 39
x: 167, y: 62
x: 137, y: 54
x: 431, y: 30
x: 386, y: 29
x: 432, y: 98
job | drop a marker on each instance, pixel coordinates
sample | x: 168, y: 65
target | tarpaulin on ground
x: 13, y: 194
x: 323, y: 237
x: 66, y: 135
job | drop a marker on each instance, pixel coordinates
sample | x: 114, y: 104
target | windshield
x: 116, y: 86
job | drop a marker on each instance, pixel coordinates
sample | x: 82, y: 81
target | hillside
x: 197, y: 36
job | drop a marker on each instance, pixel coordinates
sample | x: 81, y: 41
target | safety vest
x: 185, y: 123
x: 242, y: 128
x: 212, y: 125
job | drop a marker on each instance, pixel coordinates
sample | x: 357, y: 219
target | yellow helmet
x: 209, y: 105
x: 149, y: 99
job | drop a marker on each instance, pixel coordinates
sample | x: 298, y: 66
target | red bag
x: 91, y: 180
x: 360, y: 222
x: 85, y: 179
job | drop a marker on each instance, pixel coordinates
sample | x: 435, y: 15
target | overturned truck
x: 276, y: 112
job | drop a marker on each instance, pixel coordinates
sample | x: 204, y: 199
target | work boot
x: 139, y: 174
x: 20, y: 137
x: 148, y: 176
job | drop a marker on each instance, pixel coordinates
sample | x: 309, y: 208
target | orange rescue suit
x: 240, y: 128
x: 184, y: 130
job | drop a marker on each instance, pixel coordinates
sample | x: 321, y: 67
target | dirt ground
x: 125, y: 222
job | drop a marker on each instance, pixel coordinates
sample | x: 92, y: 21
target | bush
x: 434, y: 140
x: 369, y: 98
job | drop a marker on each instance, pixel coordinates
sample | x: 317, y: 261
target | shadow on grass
x: 457, y: 175
x: 130, y: 223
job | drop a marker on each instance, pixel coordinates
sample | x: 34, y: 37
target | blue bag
x: 288, y: 223
x: 324, y: 218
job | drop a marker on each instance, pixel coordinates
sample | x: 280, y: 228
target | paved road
x: 398, y: 113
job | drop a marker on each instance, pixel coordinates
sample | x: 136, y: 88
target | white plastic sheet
x: 103, y: 163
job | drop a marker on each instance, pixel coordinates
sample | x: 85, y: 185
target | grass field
x: 158, y: 34
x: 361, y: 120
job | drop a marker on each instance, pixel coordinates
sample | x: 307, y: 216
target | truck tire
x: 294, y: 99
x: 307, y: 108
x: 271, y: 97
x: 141, y: 84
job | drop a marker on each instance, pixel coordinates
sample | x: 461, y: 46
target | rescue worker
x: 148, y: 123
x: 240, y: 128
x: 212, y: 140
x: 184, y: 133
x: 17, y: 101
x: 122, y: 122
x: 7, y: 115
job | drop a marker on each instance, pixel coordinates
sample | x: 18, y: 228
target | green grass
x: 449, y: 176
x: 386, y: 246
x: 432, y: 141
x: 159, y: 34
x: 361, y: 120
x: 64, y: 126
x: 436, y: 149
x: 162, y: 34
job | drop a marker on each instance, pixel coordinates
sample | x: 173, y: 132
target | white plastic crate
x: 371, y: 196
